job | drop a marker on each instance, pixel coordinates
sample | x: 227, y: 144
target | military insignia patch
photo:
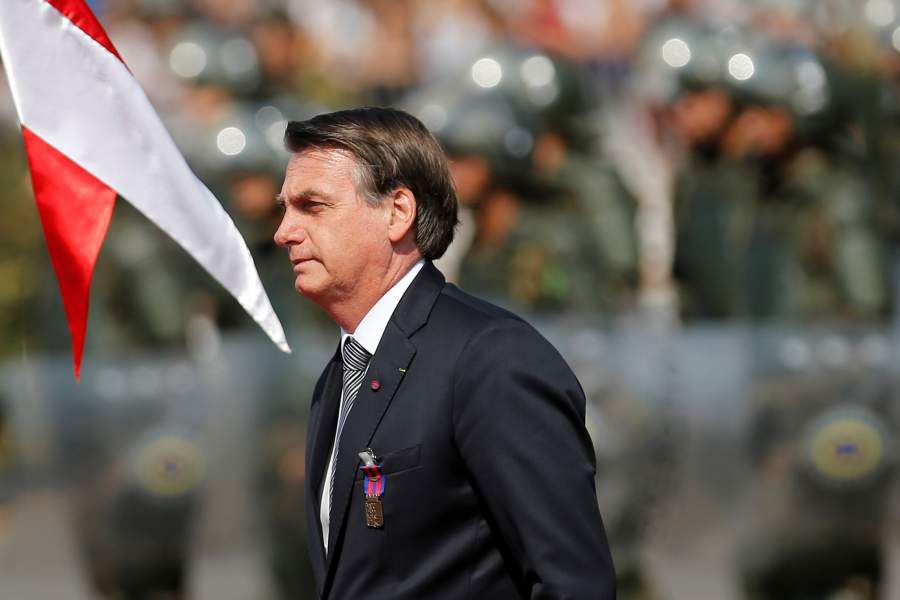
x: 168, y: 465
x: 846, y: 446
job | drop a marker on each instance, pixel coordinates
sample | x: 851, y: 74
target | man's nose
x: 289, y: 231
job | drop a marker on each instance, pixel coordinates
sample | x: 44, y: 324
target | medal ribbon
x: 374, y: 481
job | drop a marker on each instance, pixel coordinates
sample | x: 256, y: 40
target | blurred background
x: 697, y: 201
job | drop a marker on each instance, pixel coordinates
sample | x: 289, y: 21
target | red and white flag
x: 91, y: 134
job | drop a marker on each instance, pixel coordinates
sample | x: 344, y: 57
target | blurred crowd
x: 696, y: 160
x: 710, y: 159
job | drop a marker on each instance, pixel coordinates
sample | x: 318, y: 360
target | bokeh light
x: 538, y: 71
x: 187, y: 59
x: 795, y: 353
x: 676, y: 53
x: 487, y: 72
x: 810, y: 74
x: 518, y: 142
x: 238, y: 57
x: 231, y: 141
x: 880, y: 12
x: 741, y: 67
x: 434, y: 116
x: 267, y: 115
x: 544, y: 95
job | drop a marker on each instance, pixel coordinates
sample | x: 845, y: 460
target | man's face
x: 333, y: 236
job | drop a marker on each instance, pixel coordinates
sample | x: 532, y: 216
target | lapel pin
x: 375, y: 385
x: 403, y: 370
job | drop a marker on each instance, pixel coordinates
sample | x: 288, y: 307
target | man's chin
x: 309, y: 287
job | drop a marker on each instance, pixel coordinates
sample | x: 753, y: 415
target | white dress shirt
x: 368, y: 333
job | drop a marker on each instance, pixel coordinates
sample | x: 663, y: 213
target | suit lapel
x: 389, y: 364
x: 325, y: 425
x: 322, y: 423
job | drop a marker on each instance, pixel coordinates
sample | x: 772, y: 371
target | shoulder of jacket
x: 481, y: 322
x: 472, y: 310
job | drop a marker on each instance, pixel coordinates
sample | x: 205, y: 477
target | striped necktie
x: 356, y: 359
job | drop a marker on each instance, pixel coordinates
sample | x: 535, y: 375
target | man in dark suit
x: 447, y: 453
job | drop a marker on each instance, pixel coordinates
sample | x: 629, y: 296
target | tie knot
x: 356, y: 358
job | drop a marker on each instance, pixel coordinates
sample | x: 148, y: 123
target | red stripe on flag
x: 83, y: 18
x: 75, y: 209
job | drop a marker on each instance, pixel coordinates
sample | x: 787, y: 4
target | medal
x: 374, y: 512
x: 373, y: 488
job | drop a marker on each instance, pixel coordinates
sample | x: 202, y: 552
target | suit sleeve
x: 518, y: 414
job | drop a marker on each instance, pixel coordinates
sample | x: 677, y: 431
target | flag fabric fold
x: 92, y: 134
x: 74, y: 229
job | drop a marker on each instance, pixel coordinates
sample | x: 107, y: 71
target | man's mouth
x: 297, y: 262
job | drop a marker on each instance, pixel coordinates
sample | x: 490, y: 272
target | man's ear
x: 402, y: 204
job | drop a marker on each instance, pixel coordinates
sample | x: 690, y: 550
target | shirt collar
x: 369, y: 331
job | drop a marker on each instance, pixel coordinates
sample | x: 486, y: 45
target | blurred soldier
x: 539, y: 208
x: 538, y: 255
x: 836, y: 253
x: 283, y: 477
x: 774, y: 219
x: 819, y: 442
x: 714, y: 201
x: 591, y: 197
x: 281, y: 50
x: 134, y: 517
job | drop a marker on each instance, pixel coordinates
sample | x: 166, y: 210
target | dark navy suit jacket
x: 479, y: 425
